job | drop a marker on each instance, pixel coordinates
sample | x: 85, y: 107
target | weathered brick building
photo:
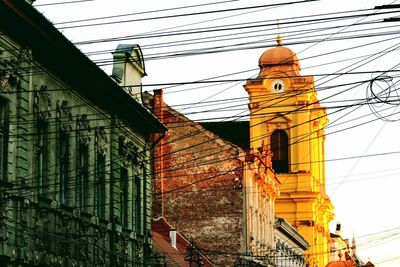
x: 217, y: 193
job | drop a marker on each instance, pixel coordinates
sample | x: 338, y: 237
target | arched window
x: 280, y: 151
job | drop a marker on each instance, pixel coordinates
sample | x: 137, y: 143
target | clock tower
x: 286, y: 116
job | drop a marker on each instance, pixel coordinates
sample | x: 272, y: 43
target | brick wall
x: 198, y: 185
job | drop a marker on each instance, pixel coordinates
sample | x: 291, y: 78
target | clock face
x: 277, y: 86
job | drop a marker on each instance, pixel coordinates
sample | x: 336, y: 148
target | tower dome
x: 278, y: 55
x: 341, y: 264
x: 279, y: 58
x: 348, y: 262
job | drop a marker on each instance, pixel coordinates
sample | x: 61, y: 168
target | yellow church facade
x: 286, y: 117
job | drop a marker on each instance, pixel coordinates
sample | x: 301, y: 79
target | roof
x: 291, y: 232
x: 278, y: 59
x: 162, y: 245
x: 278, y: 55
x: 333, y: 235
x: 347, y: 263
x: 54, y: 51
x: 130, y: 49
x: 236, y: 132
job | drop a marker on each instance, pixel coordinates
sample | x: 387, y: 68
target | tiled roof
x: 236, y: 132
x: 162, y: 245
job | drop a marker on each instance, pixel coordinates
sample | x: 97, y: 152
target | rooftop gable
x: 54, y: 51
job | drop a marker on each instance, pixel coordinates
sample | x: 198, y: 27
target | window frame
x: 100, y: 193
x: 279, y: 141
x: 41, y: 156
x: 124, y: 196
x: 63, y: 158
x: 137, y: 205
x: 82, y: 168
x: 4, y: 137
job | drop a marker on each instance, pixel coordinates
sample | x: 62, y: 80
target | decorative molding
x: 83, y: 129
x: 101, y: 141
x: 6, y: 81
x: 64, y: 116
x: 128, y: 151
x: 254, y: 105
x: 280, y: 118
x: 299, y: 80
x: 42, y: 103
x: 3, y: 225
x: 12, y: 67
x: 125, y: 245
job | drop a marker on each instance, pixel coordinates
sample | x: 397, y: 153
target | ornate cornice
x: 64, y: 116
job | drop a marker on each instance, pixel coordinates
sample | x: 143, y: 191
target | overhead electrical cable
x: 62, y: 3
x: 145, y: 12
x: 187, y: 14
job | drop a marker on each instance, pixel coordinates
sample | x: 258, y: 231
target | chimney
x: 172, y: 237
x: 338, y: 229
x: 158, y: 159
x: 158, y: 104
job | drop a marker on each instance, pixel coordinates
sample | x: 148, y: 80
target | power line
x: 62, y: 3
x: 188, y: 14
x: 145, y: 12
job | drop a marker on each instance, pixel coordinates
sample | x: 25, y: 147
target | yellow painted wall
x: 296, y: 110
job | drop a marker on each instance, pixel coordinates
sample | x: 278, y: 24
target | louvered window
x: 280, y: 151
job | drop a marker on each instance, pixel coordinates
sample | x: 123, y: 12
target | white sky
x: 365, y: 191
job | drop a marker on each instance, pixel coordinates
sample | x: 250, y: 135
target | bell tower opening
x: 280, y: 151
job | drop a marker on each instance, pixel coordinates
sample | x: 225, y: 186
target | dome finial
x: 278, y: 38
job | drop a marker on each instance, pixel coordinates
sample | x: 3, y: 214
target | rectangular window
x: 137, y: 204
x: 124, y: 201
x: 3, y: 140
x: 83, y: 177
x: 101, y: 186
x: 63, y: 166
x: 41, y: 157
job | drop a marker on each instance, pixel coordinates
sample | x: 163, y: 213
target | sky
x: 351, y: 52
